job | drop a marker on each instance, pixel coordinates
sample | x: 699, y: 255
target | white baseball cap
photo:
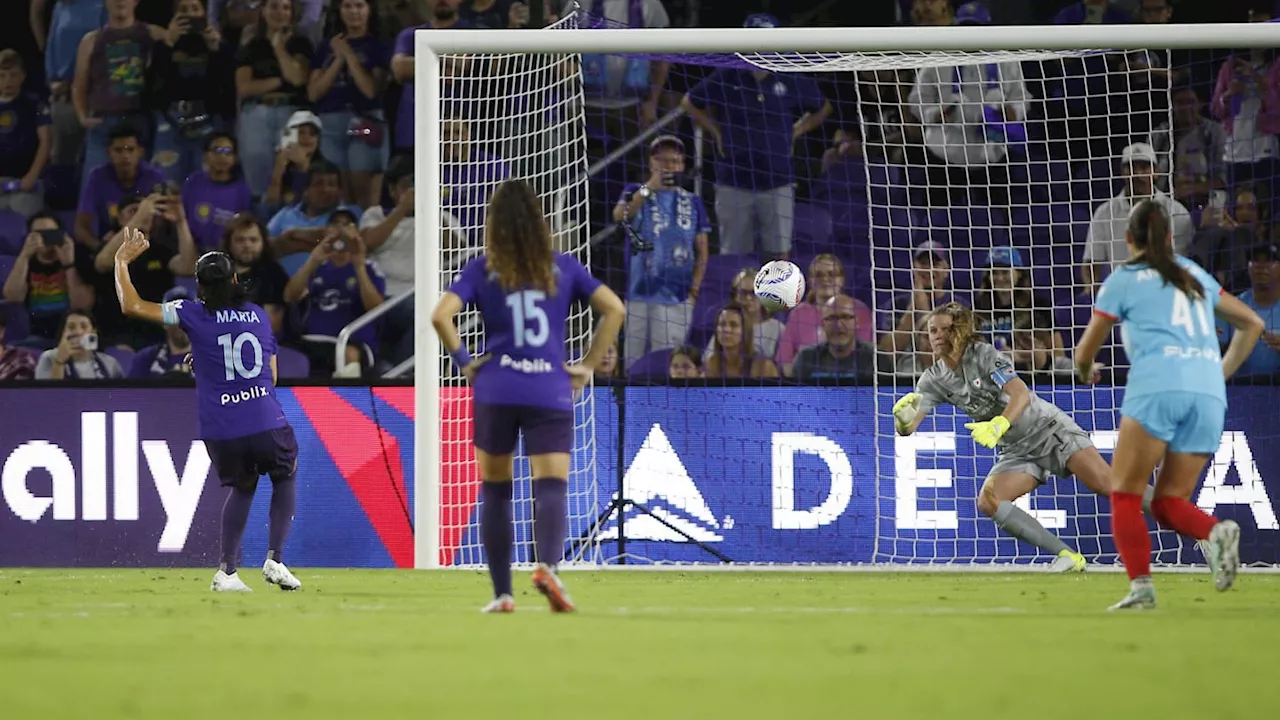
x: 931, y: 247
x: 304, y: 117
x: 1141, y: 152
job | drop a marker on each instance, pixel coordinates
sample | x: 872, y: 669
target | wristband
x: 461, y: 358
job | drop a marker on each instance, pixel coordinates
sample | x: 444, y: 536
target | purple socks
x: 235, y: 516
x: 495, y: 529
x: 549, y: 519
x: 284, y: 502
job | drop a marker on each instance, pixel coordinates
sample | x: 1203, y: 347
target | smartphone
x: 1218, y: 199
x: 669, y: 179
x: 89, y: 342
x: 338, y: 245
x: 289, y: 138
x: 196, y: 24
x: 51, y: 238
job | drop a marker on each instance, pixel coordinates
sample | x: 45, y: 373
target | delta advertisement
x: 116, y: 478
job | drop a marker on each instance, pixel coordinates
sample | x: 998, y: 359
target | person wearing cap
x: 754, y: 118
x: 299, y: 148
x: 346, y: 86
x: 1263, y: 297
x: 341, y: 284
x: 169, y: 356
x: 272, y: 70
x: 1004, y: 295
x: 172, y: 253
x: 125, y: 174
x: 970, y: 115
x: 1105, y: 245
x: 903, y: 333
x: 667, y: 229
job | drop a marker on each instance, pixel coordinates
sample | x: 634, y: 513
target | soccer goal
x: 927, y: 164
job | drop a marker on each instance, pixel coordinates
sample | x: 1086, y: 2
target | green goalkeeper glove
x: 905, y: 411
x: 988, y: 433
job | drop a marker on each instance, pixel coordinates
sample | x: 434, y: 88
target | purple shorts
x: 241, y: 461
x: 545, y: 430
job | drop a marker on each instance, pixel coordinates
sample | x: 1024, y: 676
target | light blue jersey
x: 1175, y: 390
x: 1170, y: 338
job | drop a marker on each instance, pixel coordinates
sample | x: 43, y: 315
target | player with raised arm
x: 241, y: 422
x: 1036, y: 438
x: 522, y: 384
x: 1175, y: 401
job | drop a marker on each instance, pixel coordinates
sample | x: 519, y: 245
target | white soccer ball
x: 779, y: 285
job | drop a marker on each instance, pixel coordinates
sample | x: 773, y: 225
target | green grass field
x: 654, y: 645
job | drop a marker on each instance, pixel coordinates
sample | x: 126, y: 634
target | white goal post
x: 821, y: 48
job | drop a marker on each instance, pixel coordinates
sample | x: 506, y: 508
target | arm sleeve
x: 468, y: 282
x: 930, y: 395
x: 44, y: 366
x: 1097, y: 244
x: 114, y: 371
x: 809, y: 94
x: 172, y: 312
x: 584, y: 283
x: 802, y: 367
x: 996, y: 365
x: 404, y: 42
x: 704, y: 222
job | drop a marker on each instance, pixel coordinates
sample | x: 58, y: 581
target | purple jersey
x: 524, y: 334
x: 232, y: 351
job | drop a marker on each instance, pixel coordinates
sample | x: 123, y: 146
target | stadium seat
x: 124, y: 356
x: 292, y: 364
x: 13, y: 232
x: 651, y: 365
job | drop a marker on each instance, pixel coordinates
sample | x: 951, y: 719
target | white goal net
x: 898, y: 181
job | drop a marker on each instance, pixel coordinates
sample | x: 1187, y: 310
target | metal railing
x: 344, y: 336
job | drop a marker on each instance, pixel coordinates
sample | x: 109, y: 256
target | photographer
x: 47, y: 278
x: 667, y: 229
x: 77, y: 356
x: 341, y: 284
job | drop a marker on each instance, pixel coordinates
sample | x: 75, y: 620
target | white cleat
x: 223, y: 582
x: 500, y: 604
x: 1224, y: 553
x: 276, y: 573
x: 1142, y: 596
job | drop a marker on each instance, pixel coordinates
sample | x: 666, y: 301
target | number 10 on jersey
x: 233, y: 355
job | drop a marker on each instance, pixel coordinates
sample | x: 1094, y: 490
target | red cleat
x: 548, y: 583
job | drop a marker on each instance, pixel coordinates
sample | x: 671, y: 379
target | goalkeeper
x: 1036, y: 439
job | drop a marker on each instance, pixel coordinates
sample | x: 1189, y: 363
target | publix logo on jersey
x: 39, y: 482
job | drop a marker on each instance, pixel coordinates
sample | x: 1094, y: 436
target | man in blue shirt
x: 754, y: 117
x: 1263, y: 296
x: 667, y: 228
x: 298, y: 228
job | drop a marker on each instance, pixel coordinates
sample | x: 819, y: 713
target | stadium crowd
x: 281, y: 132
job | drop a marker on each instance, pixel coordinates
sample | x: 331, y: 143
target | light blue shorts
x: 1189, y: 422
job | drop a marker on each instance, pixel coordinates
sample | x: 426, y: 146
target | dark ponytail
x: 1149, y: 227
x: 222, y: 295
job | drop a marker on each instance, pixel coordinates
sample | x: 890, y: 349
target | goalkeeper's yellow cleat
x: 1068, y: 561
x: 988, y: 434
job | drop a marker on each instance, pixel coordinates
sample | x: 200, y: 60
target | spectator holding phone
x: 77, y: 356
x: 187, y: 86
x: 342, y: 284
x: 299, y: 148
x: 47, y: 279
x: 350, y: 74
x: 25, y: 139
x: 272, y: 70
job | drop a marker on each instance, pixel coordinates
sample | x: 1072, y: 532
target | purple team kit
x: 524, y: 336
x: 240, y: 419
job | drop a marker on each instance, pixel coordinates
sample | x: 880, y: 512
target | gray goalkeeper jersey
x: 976, y: 388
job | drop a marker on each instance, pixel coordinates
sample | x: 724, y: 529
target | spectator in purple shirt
x: 341, y: 284
x: 169, y: 356
x: 216, y: 195
x: 444, y: 16
x: 753, y: 118
x: 25, y: 139
x: 105, y: 185
x: 272, y: 70
x: 1092, y: 12
x: 189, y: 85
x: 346, y: 86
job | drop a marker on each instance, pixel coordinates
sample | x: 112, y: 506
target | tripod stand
x: 621, y: 503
